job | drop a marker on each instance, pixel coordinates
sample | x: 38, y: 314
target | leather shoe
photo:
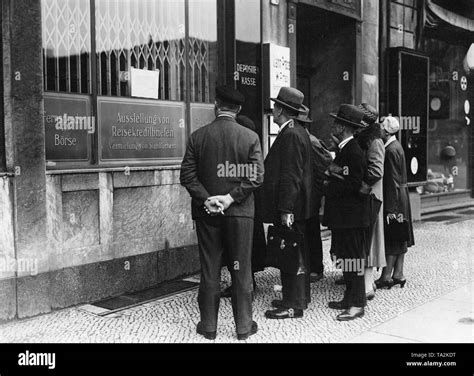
x: 338, y: 305
x: 370, y: 295
x: 340, y: 282
x: 253, y: 330
x: 277, y: 303
x: 283, y: 313
x: 208, y: 335
x: 227, y: 292
x: 351, y: 314
x: 315, y: 277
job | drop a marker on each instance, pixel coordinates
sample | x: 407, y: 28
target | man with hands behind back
x: 222, y: 167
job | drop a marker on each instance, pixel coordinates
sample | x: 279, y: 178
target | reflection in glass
x: 143, y: 34
x: 203, y: 49
x: 448, y: 133
x: 247, y: 15
x: 66, y: 45
x: 403, y: 22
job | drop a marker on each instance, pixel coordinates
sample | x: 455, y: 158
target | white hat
x: 391, y: 124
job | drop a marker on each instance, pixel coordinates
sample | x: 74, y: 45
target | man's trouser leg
x: 209, y: 235
x: 238, y: 239
x: 355, y: 290
x: 313, y: 233
x: 296, y: 289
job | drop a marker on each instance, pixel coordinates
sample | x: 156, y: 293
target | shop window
x: 141, y: 34
x: 403, y: 22
x: 90, y: 115
x: 67, y: 46
x: 449, y: 124
x: 203, y: 50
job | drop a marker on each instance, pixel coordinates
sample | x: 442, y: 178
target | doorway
x: 326, y: 57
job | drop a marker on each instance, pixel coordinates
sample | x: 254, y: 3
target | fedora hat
x: 290, y: 98
x: 304, y: 116
x: 350, y: 115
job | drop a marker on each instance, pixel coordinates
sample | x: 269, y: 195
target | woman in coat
x: 370, y: 140
x: 396, y: 206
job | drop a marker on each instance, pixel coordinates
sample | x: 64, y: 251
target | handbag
x: 397, y: 230
x: 284, y: 250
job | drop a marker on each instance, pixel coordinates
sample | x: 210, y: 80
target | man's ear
x: 240, y: 109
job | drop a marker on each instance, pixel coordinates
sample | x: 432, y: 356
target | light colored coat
x: 375, y: 167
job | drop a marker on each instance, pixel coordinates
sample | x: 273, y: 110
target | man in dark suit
x: 222, y: 167
x: 320, y: 160
x: 346, y: 211
x: 286, y: 195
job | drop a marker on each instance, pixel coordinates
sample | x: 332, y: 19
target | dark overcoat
x: 345, y: 207
x: 288, y: 176
x: 395, y: 193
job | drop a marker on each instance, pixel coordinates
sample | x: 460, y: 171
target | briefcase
x: 397, y: 230
x: 285, y: 250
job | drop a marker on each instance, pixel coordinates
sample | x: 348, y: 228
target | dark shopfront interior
x: 326, y: 55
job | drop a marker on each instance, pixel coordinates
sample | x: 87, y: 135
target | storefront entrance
x: 326, y: 51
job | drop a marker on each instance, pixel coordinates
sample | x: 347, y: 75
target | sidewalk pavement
x: 448, y: 319
x: 435, y: 306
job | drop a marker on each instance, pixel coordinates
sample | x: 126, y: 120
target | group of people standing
x: 286, y: 190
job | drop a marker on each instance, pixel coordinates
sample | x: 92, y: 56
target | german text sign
x: 69, y: 126
x: 132, y: 129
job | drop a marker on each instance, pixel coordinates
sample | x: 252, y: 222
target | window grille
x: 143, y: 34
x: 67, y: 45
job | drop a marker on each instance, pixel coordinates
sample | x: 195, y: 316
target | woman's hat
x: 390, y: 124
x: 370, y: 113
x: 304, y: 116
x: 350, y: 115
x: 290, y: 98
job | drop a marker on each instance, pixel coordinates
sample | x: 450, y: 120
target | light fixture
x: 469, y: 59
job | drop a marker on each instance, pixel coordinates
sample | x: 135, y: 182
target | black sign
x: 69, y: 126
x: 131, y: 129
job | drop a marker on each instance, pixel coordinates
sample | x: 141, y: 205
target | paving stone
x: 437, y: 265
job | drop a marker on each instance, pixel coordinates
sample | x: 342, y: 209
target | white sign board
x: 279, y: 69
x: 145, y: 83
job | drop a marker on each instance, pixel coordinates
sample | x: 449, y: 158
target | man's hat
x: 350, y: 115
x: 290, y: 98
x: 370, y: 113
x: 229, y: 95
x: 304, y: 116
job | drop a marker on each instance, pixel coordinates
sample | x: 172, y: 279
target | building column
x: 370, y: 53
x: 25, y: 146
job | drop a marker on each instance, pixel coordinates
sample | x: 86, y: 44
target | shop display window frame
x: 190, y: 99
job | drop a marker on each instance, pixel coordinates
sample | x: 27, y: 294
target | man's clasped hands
x: 216, y: 205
